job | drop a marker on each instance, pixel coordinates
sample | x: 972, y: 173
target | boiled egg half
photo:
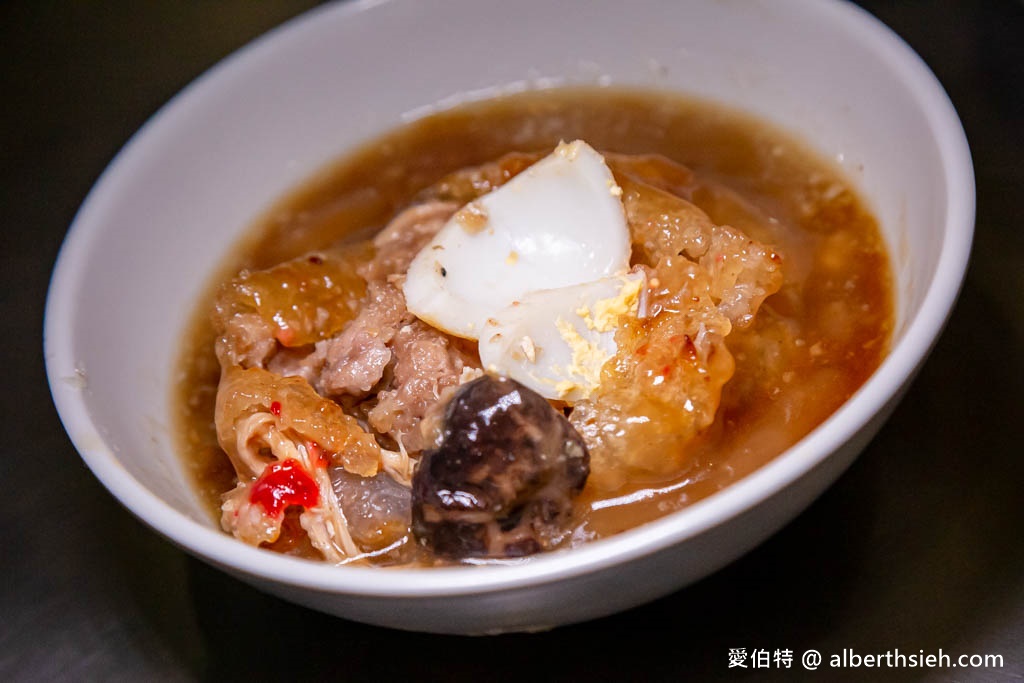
x: 556, y: 341
x: 521, y: 261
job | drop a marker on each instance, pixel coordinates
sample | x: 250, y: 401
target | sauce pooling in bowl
x: 814, y: 340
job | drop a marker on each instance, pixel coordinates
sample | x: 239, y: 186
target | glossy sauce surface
x: 812, y: 345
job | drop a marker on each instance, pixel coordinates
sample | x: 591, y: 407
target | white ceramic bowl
x: 181, y: 192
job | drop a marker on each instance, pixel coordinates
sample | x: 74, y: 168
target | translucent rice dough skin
x: 298, y: 410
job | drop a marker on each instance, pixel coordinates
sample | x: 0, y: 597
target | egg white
x: 557, y: 224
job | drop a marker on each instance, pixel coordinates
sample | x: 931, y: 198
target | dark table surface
x: 919, y: 546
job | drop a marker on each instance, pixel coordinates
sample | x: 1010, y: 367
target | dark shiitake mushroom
x: 502, y: 480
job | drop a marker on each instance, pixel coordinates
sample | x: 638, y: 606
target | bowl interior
x: 169, y: 208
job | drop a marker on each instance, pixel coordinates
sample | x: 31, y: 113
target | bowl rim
x: 896, y: 370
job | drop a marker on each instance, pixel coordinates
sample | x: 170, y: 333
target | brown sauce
x: 812, y: 345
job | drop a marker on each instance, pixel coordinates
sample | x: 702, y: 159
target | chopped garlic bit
x: 472, y: 217
x: 568, y: 150
x: 469, y: 374
x: 512, y: 257
x: 529, y: 348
